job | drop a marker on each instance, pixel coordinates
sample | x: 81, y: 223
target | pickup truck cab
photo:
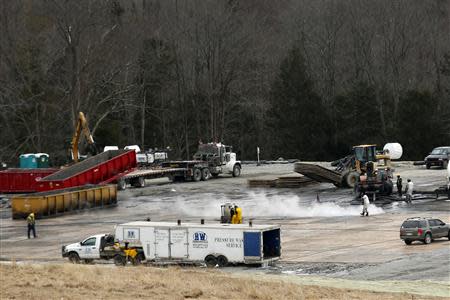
x: 90, y: 248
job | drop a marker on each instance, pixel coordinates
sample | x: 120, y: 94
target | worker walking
x: 409, y: 191
x: 366, y: 203
x: 31, y: 221
x: 399, y: 186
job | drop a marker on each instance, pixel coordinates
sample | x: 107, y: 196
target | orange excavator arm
x: 81, y: 127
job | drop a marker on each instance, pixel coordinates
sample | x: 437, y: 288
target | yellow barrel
x: 59, y: 202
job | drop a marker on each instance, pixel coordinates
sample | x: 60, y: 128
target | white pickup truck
x: 101, y: 246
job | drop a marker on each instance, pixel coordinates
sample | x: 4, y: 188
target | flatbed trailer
x: 136, y: 177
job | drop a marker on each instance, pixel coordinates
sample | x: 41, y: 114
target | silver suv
x: 423, y: 229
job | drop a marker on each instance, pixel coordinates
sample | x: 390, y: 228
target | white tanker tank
x: 395, y: 150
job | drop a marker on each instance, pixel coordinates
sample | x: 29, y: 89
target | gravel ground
x: 327, y: 238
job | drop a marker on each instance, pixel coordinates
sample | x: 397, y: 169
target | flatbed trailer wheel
x: 139, y: 182
x: 121, y: 184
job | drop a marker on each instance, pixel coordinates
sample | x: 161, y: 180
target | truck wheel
x: 428, y: 166
x: 88, y: 261
x: 196, y: 174
x: 205, y: 174
x: 210, y: 261
x: 444, y: 164
x: 215, y: 175
x: 408, y: 242
x: 74, y: 258
x: 236, y: 171
x: 120, y: 260
x: 222, y: 261
x: 121, y: 184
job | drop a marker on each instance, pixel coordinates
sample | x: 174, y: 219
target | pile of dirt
x: 65, y: 281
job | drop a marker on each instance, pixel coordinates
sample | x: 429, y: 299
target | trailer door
x: 162, y: 243
x: 252, y: 245
x: 179, y: 243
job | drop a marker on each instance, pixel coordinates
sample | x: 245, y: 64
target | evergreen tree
x: 297, y: 116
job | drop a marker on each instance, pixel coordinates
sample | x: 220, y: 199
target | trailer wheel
x: 74, y: 257
x: 120, y: 260
x: 236, y: 171
x: 140, y: 182
x: 121, y: 184
x: 205, y: 174
x: 210, y: 261
x: 222, y: 261
x: 196, y: 174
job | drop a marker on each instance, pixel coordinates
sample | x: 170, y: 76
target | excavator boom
x: 81, y: 128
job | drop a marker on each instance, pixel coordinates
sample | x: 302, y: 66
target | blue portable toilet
x: 33, y: 160
x: 27, y: 161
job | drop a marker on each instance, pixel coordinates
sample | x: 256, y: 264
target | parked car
x: 424, y: 230
x: 438, y: 157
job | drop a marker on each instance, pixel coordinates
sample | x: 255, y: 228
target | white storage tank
x: 395, y: 150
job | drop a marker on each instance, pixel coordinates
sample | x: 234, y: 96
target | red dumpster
x: 22, y: 180
x: 93, y: 170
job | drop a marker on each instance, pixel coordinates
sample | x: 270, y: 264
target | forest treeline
x: 298, y: 78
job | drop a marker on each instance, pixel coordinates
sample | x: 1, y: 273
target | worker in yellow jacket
x: 237, y: 217
x: 31, y: 221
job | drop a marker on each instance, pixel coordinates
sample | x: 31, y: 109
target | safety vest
x: 31, y: 219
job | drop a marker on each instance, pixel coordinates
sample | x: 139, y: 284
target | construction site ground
x: 324, y: 242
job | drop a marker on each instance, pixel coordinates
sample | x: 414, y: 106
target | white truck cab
x: 221, y: 159
x: 88, y: 249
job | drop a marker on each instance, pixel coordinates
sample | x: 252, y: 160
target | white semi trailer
x: 214, y: 244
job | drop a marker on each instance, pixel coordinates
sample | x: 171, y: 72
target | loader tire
x: 120, y: 260
x: 138, y: 259
x: 352, y: 179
